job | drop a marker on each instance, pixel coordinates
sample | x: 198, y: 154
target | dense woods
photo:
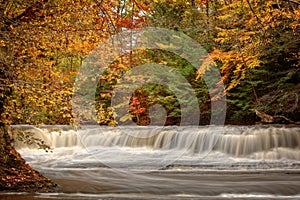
x: 255, y: 45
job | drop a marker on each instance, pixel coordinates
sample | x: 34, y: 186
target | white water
x: 169, y: 162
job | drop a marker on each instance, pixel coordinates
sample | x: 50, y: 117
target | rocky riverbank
x: 15, y: 174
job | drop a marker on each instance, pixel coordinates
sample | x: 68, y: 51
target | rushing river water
x: 256, y: 162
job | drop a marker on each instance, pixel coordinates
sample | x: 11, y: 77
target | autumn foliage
x: 255, y: 45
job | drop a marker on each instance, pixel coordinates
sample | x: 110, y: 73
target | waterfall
x: 257, y: 142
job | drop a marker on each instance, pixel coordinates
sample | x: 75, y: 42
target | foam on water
x: 145, y: 146
x: 168, y: 163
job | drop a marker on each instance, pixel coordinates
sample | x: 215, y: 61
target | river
x: 209, y: 162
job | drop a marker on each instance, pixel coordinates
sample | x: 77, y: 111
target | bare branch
x: 285, y: 118
x: 292, y: 1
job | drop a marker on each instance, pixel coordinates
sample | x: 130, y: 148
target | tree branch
x: 99, y: 5
x: 28, y: 14
x: 292, y: 1
x: 258, y: 19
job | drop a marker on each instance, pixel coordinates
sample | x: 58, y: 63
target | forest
x: 254, y: 44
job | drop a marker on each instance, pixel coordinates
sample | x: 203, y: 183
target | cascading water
x: 243, y: 142
x: 170, y: 162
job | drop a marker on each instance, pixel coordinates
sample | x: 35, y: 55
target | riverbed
x: 255, y: 162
